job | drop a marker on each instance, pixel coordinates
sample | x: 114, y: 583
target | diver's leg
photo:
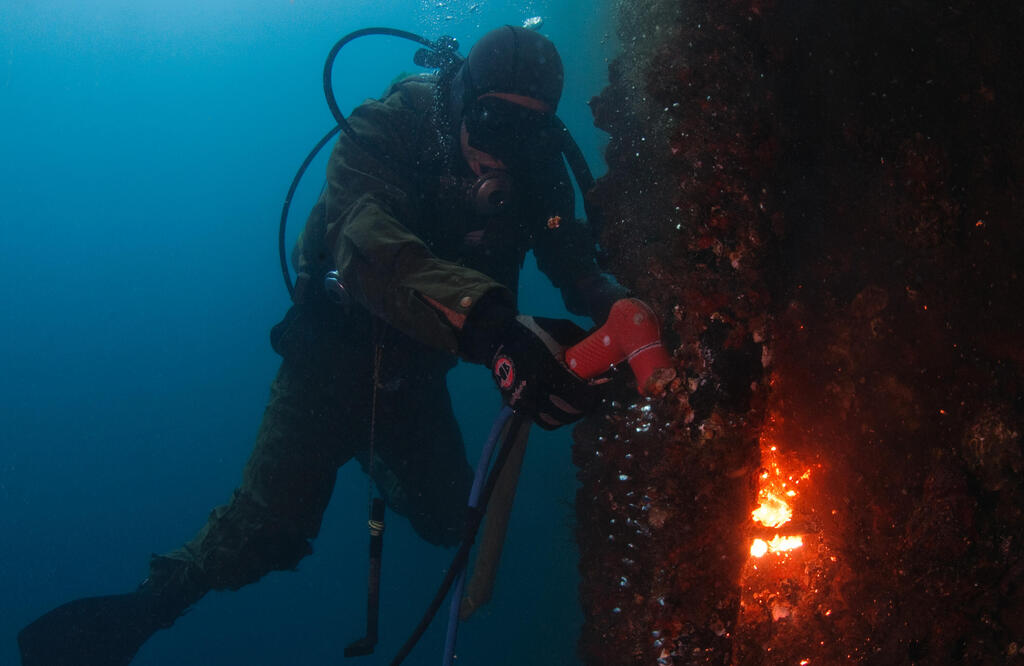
x: 425, y: 474
x: 313, y: 423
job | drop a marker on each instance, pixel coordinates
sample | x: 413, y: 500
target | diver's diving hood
x: 442, y: 55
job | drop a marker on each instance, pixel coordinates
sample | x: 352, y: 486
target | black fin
x: 96, y: 631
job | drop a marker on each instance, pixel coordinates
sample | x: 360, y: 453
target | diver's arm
x: 384, y: 265
x: 566, y: 255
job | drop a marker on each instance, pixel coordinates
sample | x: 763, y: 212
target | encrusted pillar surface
x: 825, y: 206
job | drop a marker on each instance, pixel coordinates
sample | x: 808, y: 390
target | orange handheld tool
x: 631, y: 334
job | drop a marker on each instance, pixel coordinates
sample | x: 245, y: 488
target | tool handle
x: 376, y: 525
x: 365, y: 645
x: 631, y: 334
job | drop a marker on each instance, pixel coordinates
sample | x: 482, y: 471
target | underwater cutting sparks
x: 774, y: 510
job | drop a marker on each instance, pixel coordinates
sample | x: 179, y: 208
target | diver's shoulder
x: 415, y: 92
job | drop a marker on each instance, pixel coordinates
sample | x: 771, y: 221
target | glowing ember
x: 773, y: 512
x: 774, y: 509
x: 779, y: 544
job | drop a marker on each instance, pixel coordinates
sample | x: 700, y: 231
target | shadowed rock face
x: 825, y: 205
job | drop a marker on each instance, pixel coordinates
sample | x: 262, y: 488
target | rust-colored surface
x: 825, y: 205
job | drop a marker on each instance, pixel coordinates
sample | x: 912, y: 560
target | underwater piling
x: 823, y: 204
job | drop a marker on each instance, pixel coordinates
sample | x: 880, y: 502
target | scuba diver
x: 408, y: 261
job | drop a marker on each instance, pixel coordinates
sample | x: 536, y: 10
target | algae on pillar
x: 823, y: 203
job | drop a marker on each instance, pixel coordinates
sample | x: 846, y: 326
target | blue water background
x: 146, y: 147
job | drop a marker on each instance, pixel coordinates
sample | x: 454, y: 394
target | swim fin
x: 96, y: 631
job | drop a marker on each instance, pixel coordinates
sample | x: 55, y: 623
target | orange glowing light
x: 773, y: 508
x: 780, y: 544
x: 773, y: 512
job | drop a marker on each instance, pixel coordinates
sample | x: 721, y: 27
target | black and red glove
x: 528, y: 365
x: 526, y: 358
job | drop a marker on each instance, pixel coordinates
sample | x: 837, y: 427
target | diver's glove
x: 597, y: 294
x: 526, y: 356
x: 529, y: 368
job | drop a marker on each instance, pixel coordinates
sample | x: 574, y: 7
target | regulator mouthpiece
x: 492, y: 192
